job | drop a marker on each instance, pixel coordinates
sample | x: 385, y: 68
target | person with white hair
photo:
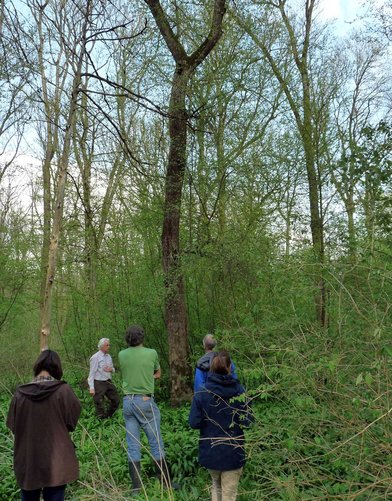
x: 106, y: 398
x: 203, y: 364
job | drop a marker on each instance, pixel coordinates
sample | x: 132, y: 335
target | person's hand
x: 92, y: 391
x: 108, y: 369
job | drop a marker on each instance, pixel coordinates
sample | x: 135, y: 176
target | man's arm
x: 91, y: 376
x: 233, y: 371
x: 157, y: 366
x: 200, y: 379
x: 110, y: 367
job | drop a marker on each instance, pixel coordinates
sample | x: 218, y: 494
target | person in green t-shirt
x: 139, y: 368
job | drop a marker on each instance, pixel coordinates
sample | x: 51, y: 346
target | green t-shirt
x: 138, y: 365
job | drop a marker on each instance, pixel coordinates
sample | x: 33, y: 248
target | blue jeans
x: 142, y: 412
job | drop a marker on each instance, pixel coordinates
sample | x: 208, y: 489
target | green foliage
x: 323, y: 431
x: 181, y: 443
x: 101, y: 450
x: 320, y: 397
x: 322, y: 425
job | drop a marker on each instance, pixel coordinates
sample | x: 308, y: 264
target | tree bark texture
x: 175, y: 305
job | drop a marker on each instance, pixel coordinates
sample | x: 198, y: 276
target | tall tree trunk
x: 50, y: 148
x: 351, y: 229
x: 316, y: 219
x: 46, y: 308
x: 368, y: 208
x: 84, y: 157
x: 221, y: 171
x: 175, y: 304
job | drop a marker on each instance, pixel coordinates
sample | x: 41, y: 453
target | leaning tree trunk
x: 175, y: 304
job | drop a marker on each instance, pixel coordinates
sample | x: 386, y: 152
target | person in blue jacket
x: 203, y: 364
x: 220, y: 417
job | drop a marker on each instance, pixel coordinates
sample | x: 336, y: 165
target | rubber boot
x: 163, y: 474
x: 135, y: 474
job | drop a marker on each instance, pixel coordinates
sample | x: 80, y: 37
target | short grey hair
x: 209, y: 342
x: 102, y: 341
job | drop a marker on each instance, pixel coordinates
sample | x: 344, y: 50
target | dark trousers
x: 106, y: 398
x: 49, y: 494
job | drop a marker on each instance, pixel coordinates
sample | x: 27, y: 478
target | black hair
x: 134, y: 335
x: 221, y: 363
x: 49, y: 361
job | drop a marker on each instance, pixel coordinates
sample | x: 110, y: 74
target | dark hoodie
x: 220, y: 418
x: 41, y: 415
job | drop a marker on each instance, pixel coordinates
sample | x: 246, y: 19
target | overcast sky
x: 342, y: 10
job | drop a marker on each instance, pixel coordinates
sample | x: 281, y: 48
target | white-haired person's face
x: 209, y: 342
x: 105, y: 346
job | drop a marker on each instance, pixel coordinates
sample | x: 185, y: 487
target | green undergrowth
x: 322, y: 427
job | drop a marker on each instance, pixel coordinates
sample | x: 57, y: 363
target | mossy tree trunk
x: 175, y: 304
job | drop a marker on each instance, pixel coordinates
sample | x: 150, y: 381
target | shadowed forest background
x: 195, y: 167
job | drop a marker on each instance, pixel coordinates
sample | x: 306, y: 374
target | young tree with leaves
x: 291, y: 66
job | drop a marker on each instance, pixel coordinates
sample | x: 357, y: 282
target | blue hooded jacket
x: 203, y: 368
x: 220, y: 418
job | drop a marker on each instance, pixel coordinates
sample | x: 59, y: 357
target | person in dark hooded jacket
x: 41, y: 415
x: 220, y: 416
x: 203, y: 364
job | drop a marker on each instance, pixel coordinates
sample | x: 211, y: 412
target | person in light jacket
x: 106, y: 398
x: 220, y: 416
x: 41, y: 415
